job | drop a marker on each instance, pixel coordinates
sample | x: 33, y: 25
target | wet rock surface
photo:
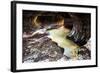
x: 85, y: 51
x: 36, y: 49
x: 41, y: 49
